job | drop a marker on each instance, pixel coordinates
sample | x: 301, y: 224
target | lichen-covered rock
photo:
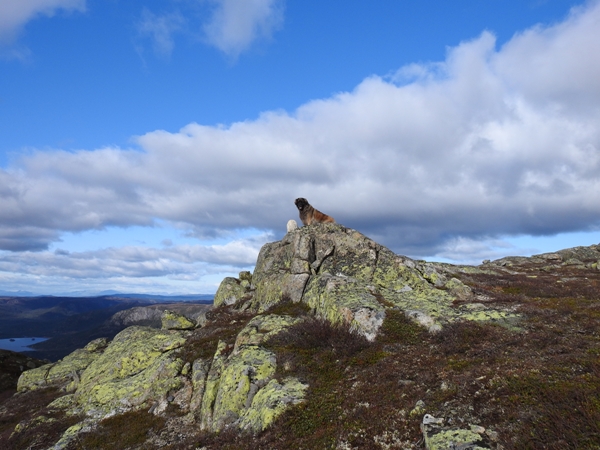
x: 224, y: 389
x: 270, y: 402
x: 233, y: 388
x: 245, y: 278
x: 439, y: 437
x: 64, y: 373
x: 173, y: 321
x: 200, y: 369
x: 454, y: 439
x: 71, y: 433
x: 261, y: 328
x: 211, y: 386
x: 248, y: 370
x: 139, y: 366
x: 346, y: 277
x: 345, y: 300
x: 458, y: 288
x: 231, y: 290
x: 34, y: 378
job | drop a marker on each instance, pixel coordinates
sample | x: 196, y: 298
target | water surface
x: 20, y: 344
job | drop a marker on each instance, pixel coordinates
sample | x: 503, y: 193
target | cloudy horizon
x: 459, y: 159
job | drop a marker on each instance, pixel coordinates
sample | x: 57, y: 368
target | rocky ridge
x: 222, y: 371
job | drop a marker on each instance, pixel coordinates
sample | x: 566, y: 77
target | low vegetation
x: 532, y: 387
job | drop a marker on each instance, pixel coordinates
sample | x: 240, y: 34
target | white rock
x: 292, y: 225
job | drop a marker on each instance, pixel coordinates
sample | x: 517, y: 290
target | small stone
x: 245, y: 275
x: 477, y: 429
x: 428, y: 419
x: 493, y: 435
x: 418, y: 409
x: 292, y: 225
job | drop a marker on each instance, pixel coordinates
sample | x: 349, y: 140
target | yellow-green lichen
x: 173, y: 321
x: 230, y: 291
x: 70, y: 434
x: 261, y: 328
x: 34, y: 378
x: 138, y: 366
x: 343, y: 300
x: 245, y: 372
x: 270, y: 402
x: 65, y: 402
x: 453, y: 439
x: 211, y: 386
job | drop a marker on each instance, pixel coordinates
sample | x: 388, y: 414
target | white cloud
x: 191, y: 261
x: 16, y: 13
x: 160, y: 29
x: 236, y: 24
x: 489, y: 142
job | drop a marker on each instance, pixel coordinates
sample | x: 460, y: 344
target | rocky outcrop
x: 139, y: 366
x: 152, y: 316
x: 346, y: 277
x: 576, y: 257
x: 66, y: 372
x: 142, y: 368
x: 239, y: 389
x: 338, y: 273
x: 139, y: 315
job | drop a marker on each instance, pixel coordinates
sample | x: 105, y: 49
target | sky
x: 154, y: 146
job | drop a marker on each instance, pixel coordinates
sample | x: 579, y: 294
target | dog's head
x: 301, y: 203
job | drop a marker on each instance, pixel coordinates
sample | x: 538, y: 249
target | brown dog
x: 309, y: 215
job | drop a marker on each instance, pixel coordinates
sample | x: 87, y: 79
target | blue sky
x: 154, y: 146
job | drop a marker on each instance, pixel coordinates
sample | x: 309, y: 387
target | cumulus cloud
x: 16, y: 13
x: 489, y: 142
x: 236, y: 24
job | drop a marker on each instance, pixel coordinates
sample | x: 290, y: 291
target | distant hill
x: 71, y: 322
x: 109, y: 293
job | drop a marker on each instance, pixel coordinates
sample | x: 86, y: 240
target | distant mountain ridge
x: 110, y: 293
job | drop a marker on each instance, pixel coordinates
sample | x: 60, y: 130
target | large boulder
x: 65, y: 373
x: 140, y: 366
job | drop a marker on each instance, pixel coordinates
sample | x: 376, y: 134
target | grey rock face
x: 346, y: 277
x: 139, y: 315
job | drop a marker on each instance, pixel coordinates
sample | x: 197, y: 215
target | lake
x: 20, y: 344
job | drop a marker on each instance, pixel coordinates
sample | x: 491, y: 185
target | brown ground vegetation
x: 535, y: 387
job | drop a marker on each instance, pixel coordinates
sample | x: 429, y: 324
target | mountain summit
x: 336, y: 342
